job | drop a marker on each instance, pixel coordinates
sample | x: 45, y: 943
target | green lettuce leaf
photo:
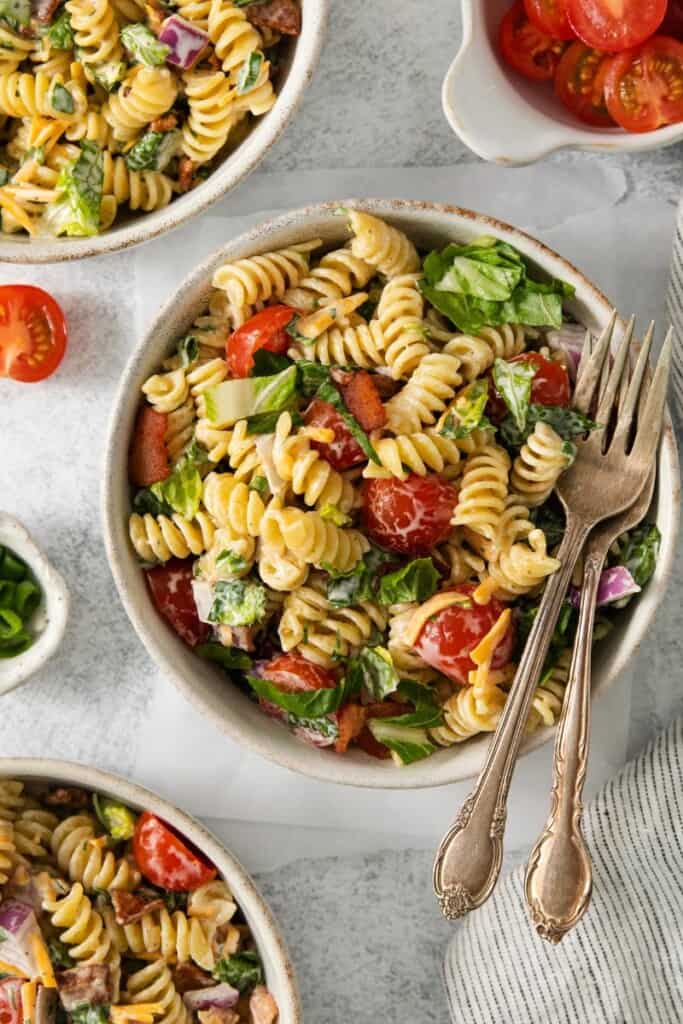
x: 567, y: 423
x: 467, y: 412
x: 143, y: 45
x: 306, y: 704
x: 60, y: 33
x: 406, y: 735
x: 238, y: 603
x: 372, y: 670
x: 248, y: 74
x: 77, y: 211
x: 345, y: 589
x: 329, y: 393
x: 638, y: 551
x: 182, y: 490
x: 118, y: 820
x: 267, y: 364
x: 416, y: 581
x: 243, y: 971
x: 513, y: 383
x: 227, y: 657
x: 153, y: 151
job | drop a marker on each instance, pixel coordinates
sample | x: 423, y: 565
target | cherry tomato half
x: 550, y: 385
x: 528, y: 50
x: 615, y: 25
x: 580, y: 84
x: 10, y: 1001
x: 410, y: 516
x: 292, y: 673
x: 165, y: 859
x: 644, y: 88
x: 148, y: 456
x: 171, y: 588
x: 342, y: 453
x: 263, y: 330
x: 550, y: 17
x: 447, y: 639
x: 32, y: 333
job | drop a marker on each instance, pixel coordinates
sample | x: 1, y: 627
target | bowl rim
x: 328, y: 768
x: 242, y: 885
x: 234, y: 169
x: 541, y: 134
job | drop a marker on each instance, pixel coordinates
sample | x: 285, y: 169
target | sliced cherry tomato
x: 550, y: 385
x: 292, y: 673
x: 342, y: 453
x: 351, y: 722
x: 447, y: 639
x: 32, y: 333
x: 673, y: 22
x: 527, y: 49
x: 550, y: 17
x: 615, y: 25
x: 167, y: 859
x: 363, y: 401
x: 171, y: 589
x: 263, y: 330
x: 148, y: 456
x: 644, y: 88
x: 580, y: 84
x: 410, y: 516
x: 10, y: 1001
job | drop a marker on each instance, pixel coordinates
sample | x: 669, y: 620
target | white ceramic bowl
x: 49, y: 621
x: 202, y: 683
x: 507, y: 119
x: 279, y: 972
x: 300, y: 57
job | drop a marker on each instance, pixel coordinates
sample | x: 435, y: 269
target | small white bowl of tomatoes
x: 535, y: 76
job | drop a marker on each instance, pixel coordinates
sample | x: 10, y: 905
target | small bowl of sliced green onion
x: 34, y: 605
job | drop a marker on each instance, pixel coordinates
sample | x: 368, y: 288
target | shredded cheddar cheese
x: 485, y: 649
x: 42, y: 957
x: 16, y: 972
x: 28, y: 1001
x: 142, y: 1013
x: 313, y: 325
x: 431, y: 607
x: 485, y: 591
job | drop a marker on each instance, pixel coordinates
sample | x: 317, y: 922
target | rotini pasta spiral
x: 145, y: 94
x: 523, y: 567
x: 312, y: 539
x: 196, y: 11
x: 201, y: 378
x: 12, y: 800
x: 399, y: 315
x: 33, y: 831
x: 406, y: 661
x: 81, y: 927
x: 281, y: 571
x: 465, y: 715
x: 13, y: 49
x: 8, y: 851
x: 338, y: 274
x: 212, y: 902
x: 26, y: 95
x: 357, y: 344
x: 141, y: 190
x: 180, y: 429
x: 211, y: 117
x: 233, y: 505
x: 262, y: 278
x: 96, y: 31
x: 382, y: 246
x: 167, y: 391
x: 225, y: 540
x: 541, y: 461
x: 514, y: 524
x: 415, y: 453
x: 174, y: 937
x: 85, y: 858
x: 311, y: 476
x: 483, y: 489
x: 322, y: 633
x: 93, y: 127
x: 154, y: 984
x: 156, y: 539
x: 426, y: 394
x: 234, y: 38
x: 546, y: 706
x: 465, y: 564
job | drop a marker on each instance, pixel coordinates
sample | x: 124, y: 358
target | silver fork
x: 605, y: 479
x: 559, y: 877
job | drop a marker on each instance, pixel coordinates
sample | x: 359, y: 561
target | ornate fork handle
x: 468, y: 860
x: 559, y: 877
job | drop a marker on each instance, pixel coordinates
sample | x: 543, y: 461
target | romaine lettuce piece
x: 238, y: 603
x: 153, y: 151
x: 77, y: 211
x: 143, y: 45
x: 235, y: 400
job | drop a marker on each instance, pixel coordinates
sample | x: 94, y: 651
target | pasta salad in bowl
x: 119, y: 121
x: 336, y: 509
x: 116, y: 907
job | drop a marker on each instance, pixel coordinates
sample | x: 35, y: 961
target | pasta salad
x: 123, y: 103
x: 107, y: 915
x: 343, y: 485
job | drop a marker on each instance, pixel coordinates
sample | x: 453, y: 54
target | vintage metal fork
x: 559, y: 877
x: 607, y: 476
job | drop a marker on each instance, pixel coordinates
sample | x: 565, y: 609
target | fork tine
x: 636, y: 393
x: 590, y: 368
x: 608, y: 396
x: 651, y: 423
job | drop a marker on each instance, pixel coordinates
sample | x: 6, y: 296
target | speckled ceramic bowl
x: 507, y: 119
x: 428, y: 224
x: 278, y: 969
x: 299, y: 62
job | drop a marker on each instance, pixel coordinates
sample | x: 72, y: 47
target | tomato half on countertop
x: 409, y: 516
x: 166, y: 859
x: 170, y: 585
x: 448, y: 637
x: 615, y: 25
x: 33, y: 333
x: 266, y: 329
x: 644, y: 87
x: 528, y: 50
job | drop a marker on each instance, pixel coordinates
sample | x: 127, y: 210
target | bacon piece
x: 386, y: 386
x: 43, y: 10
x: 66, y: 796
x: 363, y: 401
x: 155, y: 19
x: 132, y: 906
x: 218, y: 1015
x: 262, y: 1007
x: 187, y: 977
x: 87, y: 983
x: 243, y: 637
x: 164, y: 124
x: 185, y: 173
x: 281, y: 15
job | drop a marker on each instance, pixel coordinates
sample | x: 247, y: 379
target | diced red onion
x: 222, y: 996
x: 615, y: 584
x: 186, y: 41
x: 18, y: 923
x: 14, y: 915
x: 568, y: 339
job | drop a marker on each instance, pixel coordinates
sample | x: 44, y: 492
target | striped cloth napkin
x: 623, y: 964
x: 675, y: 311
